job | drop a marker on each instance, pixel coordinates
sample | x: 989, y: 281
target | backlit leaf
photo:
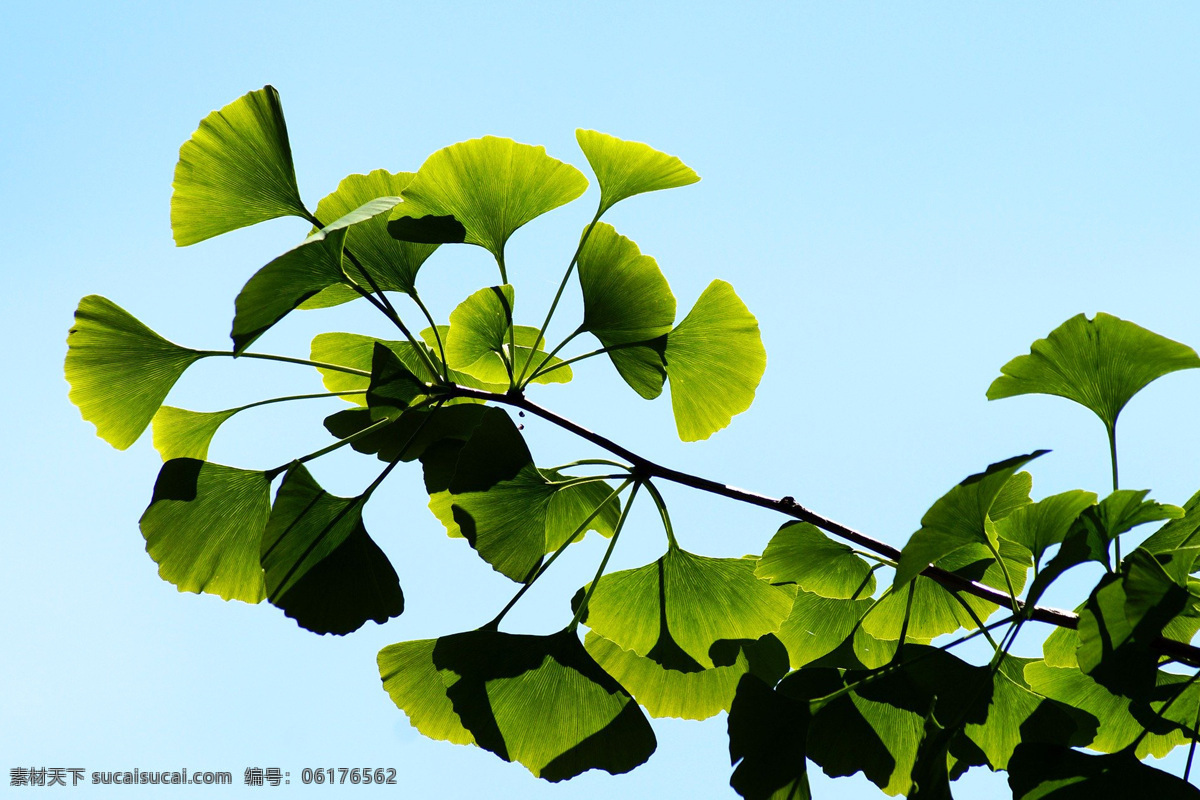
x: 714, y: 361
x: 204, y: 526
x: 818, y: 625
x: 799, y: 553
x: 625, y: 168
x: 120, y: 371
x: 625, y: 296
x: 490, y: 186
x: 179, y: 433
x: 412, y: 681
x: 1099, y: 363
x: 235, y: 170
x: 1040, y: 525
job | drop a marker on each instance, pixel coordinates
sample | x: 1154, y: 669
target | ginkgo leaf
x: 479, y: 327
x: 490, y: 186
x: 799, y: 553
x: 625, y: 168
x: 412, y: 681
x: 392, y: 264
x: 1125, y: 509
x: 322, y: 568
x: 541, y: 701
x: 672, y: 611
x: 179, y: 433
x: 285, y: 283
x: 235, y: 170
x: 1039, y: 770
x: 966, y: 515
x: 408, y: 436
x: 393, y: 387
x: 625, y: 296
x: 1179, y: 532
x: 1099, y: 363
x: 204, y: 526
x: 643, y: 365
x: 817, y: 625
x: 120, y: 371
x: 489, y: 372
x: 768, y: 736
x: 714, y: 361
x: 1038, y: 526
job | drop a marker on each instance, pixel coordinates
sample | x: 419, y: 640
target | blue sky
x: 906, y: 195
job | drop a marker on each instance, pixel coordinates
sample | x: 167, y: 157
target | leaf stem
x: 662, y: 511
x: 587, y: 462
x: 561, y: 286
x: 1112, y: 452
x: 1012, y: 592
x: 289, y: 360
x: 437, y: 336
x: 1161, y: 711
x: 579, y: 612
x: 495, y: 623
x: 297, y: 397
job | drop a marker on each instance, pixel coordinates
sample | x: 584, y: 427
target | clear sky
x: 906, y: 195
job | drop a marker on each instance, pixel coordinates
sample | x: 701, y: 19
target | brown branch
x: 644, y: 467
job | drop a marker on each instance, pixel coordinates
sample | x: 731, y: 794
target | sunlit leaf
x: 392, y: 264
x: 322, y: 568
x: 538, y: 700
x: 965, y: 516
x: 799, y: 553
x: 688, y: 695
x: 625, y: 168
x: 412, y: 681
x: 1051, y: 771
x: 120, y: 371
x: 204, y: 526
x: 625, y: 296
x: 714, y: 361
x: 393, y: 386
x: 1100, y: 363
x: 818, y: 625
x: 1040, y: 525
x: 1177, y: 533
x: 674, y: 610
x: 286, y: 282
x: 235, y: 170
x: 490, y: 186
x: 179, y: 433
x: 642, y: 366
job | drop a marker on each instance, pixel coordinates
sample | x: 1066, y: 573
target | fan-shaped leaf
x: 1040, y: 525
x: 415, y: 686
x: 799, y: 553
x: 625, y: 296
x: 1099, y: 363
x: 489, y: 186
x: 489, y: 372
x: 672, y: 611
x: 768, y: 733
x: 322, y: 568
x: 541, y: 701
x: 1177, y: 533
x: 478, y: 338
x: 409, y: 436
x: 714, y: 360
x: 966, y: 515
x: 393, y: 387
x: 120, y: 371
x: 204, y: 527
x: 392, y: 264
x: 179, y: 433
x: 624, y: 168
x: 1051, y: 771
x: 818, y: 625
x: 235, y: 170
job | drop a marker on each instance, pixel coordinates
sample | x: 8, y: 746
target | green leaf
x: 1125, y: 509
x: 410, y: 435
x: 236, y: 170
x: 625, y: 296
x: 642, y: 366
x: 490, y: 186
x: 322, y: 568
x: 1099, y: 363
x: 768, y: 732
x: 392, y: 264
x: 1040, y: 525
x: 415, y: 686
x: 285, y: 283
x: 541, y: 701
x: 965, y: 516
x: 624, y: 168
x: 1052, y: 771
x: 1177, y: 533
x: 817, y: 625
x: 356, y: 351
x: 1122, y: 619
x: 671, y: 693
x: 204, y: 526
x: 179, y: 433
x: 571, y: 505
x: 393, y: 386
x: 714, y: 360
x: 120, y: 371
x: 489, y: 372
x: 477, y: 341
x: 674, y: 610
x: 799, y: 553
x: 1118, y: 727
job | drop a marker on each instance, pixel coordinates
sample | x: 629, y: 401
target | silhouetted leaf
x: 1099, y: 363
x: 714, y: 360
x: 410, y: 434
x: 768, y: 731
x: 393, y: 386
x: 799, y: 553
x: 1050, y: 771
x: 491, y: 186
x: 120, y: 371
x: 625, y: 168
x: 1040, y: 525
x: 322, y: 568
x: 204, y: 526
x: 235, y: 170
x: 672, y: 611
x: 965, y: 516
x: 392, y: 264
